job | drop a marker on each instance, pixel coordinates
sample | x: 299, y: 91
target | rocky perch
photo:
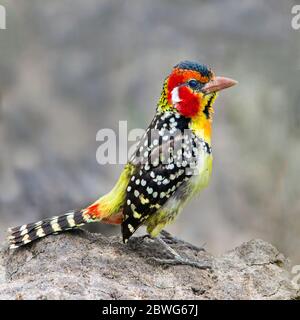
x: 81, y: 265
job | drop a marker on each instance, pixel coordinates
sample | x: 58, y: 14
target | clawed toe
x: 178, y: 260
x: 168, y: 238
x: 172, y: 257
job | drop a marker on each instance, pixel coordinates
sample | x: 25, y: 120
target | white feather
x: 175, y: 95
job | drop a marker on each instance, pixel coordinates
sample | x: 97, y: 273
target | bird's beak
x: 218, y: 84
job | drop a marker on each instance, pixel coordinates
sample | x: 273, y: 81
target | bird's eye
x: 193, y: 83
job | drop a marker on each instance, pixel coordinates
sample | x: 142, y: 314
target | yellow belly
x: 203, y: 173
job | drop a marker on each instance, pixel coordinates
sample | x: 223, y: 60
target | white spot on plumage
x: 137, y: 181
x: 54, y: 219
x: 162, y: 195
x: 175, y: 96
x: 149, y: 190
x: 136, y: 193
x: 128, y: 202
x: 143, y: 182
x: 25, y: 238
x: 39, y: 223
x: 131, y: 229
x: 128, y: 188
x: 166, y: 181
x: 55, y: 226
x: 70, y: 219
x: 40, y: 233
x: 143, y: 199
x: 24, y: 226
x: 24, y: 231
x: 170, y: 166
x: 136, y: 215
x: 152, y: 174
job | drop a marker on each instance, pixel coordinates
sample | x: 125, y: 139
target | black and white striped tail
x: 27, y: 233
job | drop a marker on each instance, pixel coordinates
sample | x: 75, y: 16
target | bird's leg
x: 173, y: 257
x: 135, y: 242
x: 178, y: 259
x: 168, y: 238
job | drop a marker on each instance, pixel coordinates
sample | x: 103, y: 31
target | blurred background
x: 69, y: 68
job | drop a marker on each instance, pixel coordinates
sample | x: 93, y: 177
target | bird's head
x: 191, y: 90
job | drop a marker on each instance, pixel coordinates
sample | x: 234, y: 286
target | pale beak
x: 218, y: 84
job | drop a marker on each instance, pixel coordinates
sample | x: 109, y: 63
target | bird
x: 171, y: 164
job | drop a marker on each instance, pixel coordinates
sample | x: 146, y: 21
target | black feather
x: 195, y: 66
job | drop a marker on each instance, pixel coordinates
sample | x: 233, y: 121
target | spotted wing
x: 161, y: 169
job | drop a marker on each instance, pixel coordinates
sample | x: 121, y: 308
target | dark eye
x: 193, y: 83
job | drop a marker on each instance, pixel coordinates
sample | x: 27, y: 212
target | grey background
x: 69, y: 68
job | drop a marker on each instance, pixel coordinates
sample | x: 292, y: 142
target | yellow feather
x: 112, y: 202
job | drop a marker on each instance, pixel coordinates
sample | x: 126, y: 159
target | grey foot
x: 168, y: 238
x: 136, y: 243
x: 177, y: 259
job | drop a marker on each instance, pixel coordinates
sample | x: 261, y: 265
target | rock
x: 82, y: 265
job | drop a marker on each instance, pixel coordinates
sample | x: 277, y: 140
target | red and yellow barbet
x: 157, y: 181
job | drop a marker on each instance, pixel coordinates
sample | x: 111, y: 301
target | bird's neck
x: 201, y: 124
x: 202, y: 127
x: 163, y: 104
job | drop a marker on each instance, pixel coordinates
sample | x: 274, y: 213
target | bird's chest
x: 199, y: 177
x: 202, y: 172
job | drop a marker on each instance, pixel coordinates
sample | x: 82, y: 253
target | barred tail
x: 27, y: 233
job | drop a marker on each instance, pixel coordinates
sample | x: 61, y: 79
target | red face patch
x: 190, y: 103
x: 175, y: 79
